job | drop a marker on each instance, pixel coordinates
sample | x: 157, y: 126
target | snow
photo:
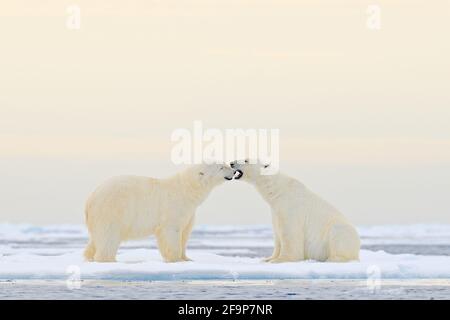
x: 406, y: 234
x: 145, y: 264
x: 219, y: 252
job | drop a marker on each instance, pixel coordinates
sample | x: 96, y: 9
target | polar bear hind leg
x: 106, y: 244
x: 89, y: 252
x: 344, y: 244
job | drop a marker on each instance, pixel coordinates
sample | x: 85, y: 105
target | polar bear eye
x: 246, y: 161
x: 221, y: 168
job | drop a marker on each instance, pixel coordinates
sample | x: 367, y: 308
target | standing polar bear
x: 305, y: 226
x: 132, y: 207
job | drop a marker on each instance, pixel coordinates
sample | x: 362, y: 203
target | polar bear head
x: 199, y: 179
x: 249, y: 170
x: 211, y: 174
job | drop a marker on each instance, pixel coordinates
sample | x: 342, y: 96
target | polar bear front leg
x: 276, y: 249
x: 170, y: 244
x: 276, y: 238
x: 185, y: 237
x: 292, y: 244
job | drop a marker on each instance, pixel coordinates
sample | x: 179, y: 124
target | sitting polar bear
x: 131, y: 207
x: 305, y: 226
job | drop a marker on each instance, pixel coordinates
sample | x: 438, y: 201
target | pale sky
x: 364, y: 115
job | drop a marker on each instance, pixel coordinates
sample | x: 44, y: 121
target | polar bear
x: 132, y: 207
x: 305, y: 226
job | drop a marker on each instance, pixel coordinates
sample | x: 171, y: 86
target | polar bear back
x: 128, y: 203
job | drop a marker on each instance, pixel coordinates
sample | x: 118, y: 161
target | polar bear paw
x: 284, y: 259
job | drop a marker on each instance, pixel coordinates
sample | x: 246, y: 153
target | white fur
x: 131, y: 207
x: 305, y: 226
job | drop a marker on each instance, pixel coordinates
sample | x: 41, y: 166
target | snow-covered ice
x: 219, y: 253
